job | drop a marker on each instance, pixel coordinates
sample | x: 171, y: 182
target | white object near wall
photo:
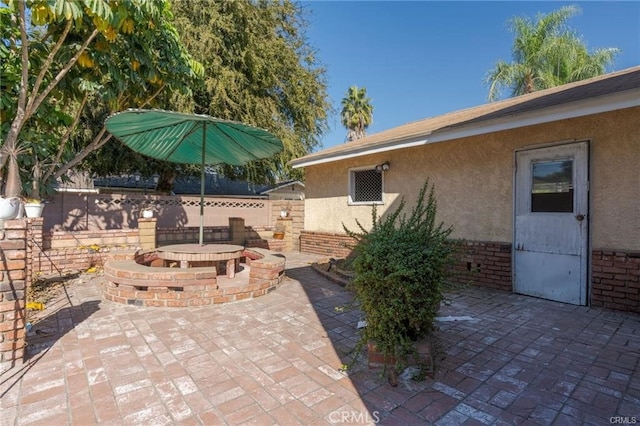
x: 33, y: 209
x: 9, y: 208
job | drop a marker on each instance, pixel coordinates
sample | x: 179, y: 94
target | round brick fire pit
x: 147, y: 280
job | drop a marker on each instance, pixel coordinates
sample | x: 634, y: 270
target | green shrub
x: 400, y: 269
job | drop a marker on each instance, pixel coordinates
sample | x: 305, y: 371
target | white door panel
x: 551, y: 223
x: 550, y: 276
x: 550, y: 235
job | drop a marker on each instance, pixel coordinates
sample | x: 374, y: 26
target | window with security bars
x: 366, y: 186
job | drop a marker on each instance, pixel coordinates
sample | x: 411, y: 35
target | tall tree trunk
x: 13, y: 186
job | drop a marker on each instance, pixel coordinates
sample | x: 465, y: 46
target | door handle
x: 579, y: 217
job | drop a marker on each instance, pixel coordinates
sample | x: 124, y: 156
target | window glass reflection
x: 552, y: 189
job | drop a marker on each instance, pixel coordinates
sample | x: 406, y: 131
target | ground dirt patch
x: 50, y: 290
x: 335, y: 270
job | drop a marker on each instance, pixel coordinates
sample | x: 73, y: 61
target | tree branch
x: 36, y: 103
x: 49, y: 61
x: 96, y: 143
x: 18, y: 121
x: 152, y: 97
x: 65, y: 138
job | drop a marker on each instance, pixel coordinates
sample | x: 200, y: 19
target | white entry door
x: 551, y: 223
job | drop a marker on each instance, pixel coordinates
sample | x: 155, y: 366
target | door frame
x: 588, y: 251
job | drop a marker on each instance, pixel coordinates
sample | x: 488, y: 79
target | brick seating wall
x: 138, y: 282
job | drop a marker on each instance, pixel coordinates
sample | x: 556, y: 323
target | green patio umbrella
x: 192, y: 139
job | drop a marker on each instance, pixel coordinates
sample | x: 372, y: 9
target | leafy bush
x: 400, y: 269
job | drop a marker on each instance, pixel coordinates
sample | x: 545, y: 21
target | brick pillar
x: 34, y: 248
x: 288, y: 233
x: 236, y: 230
x: 147, y: 232
x: 13, y: 266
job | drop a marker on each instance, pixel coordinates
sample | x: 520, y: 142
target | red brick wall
x: 13, y: 274
x: 485, y: 264
x: 324, y: 243
x: 615, y: 274
x: 615, y: 278
x: 59, y: 252
x: 296, y: 214
x: 166, y: 236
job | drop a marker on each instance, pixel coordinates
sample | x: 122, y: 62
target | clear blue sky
x: 418, y: 59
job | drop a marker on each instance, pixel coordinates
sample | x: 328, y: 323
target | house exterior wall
x: 473, y: 180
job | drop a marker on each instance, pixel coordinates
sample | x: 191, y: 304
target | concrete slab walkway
x: 277, y: 360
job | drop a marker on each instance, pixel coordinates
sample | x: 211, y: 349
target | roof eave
x: 596, y: 105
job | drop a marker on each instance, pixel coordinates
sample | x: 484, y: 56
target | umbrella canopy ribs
x: 192, y: 139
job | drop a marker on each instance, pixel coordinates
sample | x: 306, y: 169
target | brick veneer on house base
x: 485, y: 264
x: 326, y: 244
x: 615, y: 277
x: 615, y: 274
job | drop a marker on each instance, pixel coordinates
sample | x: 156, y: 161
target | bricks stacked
x: 75, y: 251
x: 296, y: 214
x: 325, y: 243
x: 616, y: 280
x: 12, y: 292
x: 485, y: 264
x: 190, y: 234
x: 147, y: 233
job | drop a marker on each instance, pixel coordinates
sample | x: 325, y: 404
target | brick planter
x: 424, y: 356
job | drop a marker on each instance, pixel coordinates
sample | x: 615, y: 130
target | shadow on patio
x: 509, y: 358
x: 276, y: 359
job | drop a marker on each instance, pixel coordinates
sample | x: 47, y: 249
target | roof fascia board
x: 627, y: 99
x: 600, y: 104
x: 362, y: 151
x: 295, y: 182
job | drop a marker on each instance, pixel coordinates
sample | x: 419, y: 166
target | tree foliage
x: 260, y: 70
x: 357, y: 113
x: 400, y: 270
x: 546, y: 53
x: 57, y: 54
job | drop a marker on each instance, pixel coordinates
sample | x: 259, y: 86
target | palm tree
x: 546, y: 53
x: 357, y: 113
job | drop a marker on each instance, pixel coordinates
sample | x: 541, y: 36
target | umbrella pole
x: 202, y: 177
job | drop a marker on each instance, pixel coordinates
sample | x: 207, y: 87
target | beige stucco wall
x: 473, y: 179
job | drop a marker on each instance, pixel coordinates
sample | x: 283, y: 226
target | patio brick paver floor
x: 276, y: 360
